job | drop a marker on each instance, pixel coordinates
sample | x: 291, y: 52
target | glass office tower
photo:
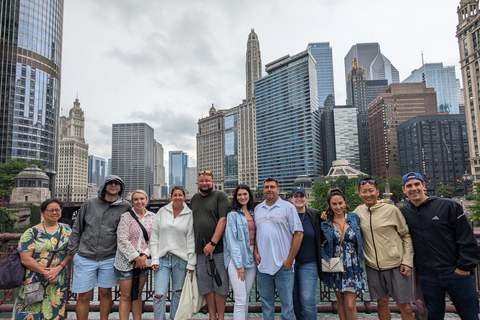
x: 30, y: 62
x: 178, y: 161
x: 288, y: 123
x: 322, y: 52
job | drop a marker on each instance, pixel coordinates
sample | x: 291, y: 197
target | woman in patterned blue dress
x: 36, y: 248
x: 343, y: 238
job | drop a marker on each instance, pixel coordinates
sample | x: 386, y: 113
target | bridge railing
x: 327, y: 299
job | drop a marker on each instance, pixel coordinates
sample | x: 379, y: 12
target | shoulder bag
x: 136, y: 271
x: 335, y: 264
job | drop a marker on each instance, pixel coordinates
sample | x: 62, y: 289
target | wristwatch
x: 213, y: 243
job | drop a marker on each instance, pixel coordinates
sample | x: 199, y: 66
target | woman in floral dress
x: 344, y: 239
x: 37, y: 246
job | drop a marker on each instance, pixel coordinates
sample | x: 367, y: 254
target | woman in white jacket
x: 173, y: 251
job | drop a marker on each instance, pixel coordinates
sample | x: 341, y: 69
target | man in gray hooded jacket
x: 94, y: 242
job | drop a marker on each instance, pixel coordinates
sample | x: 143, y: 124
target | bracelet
x: 213, y: 243
x: 61, y: 265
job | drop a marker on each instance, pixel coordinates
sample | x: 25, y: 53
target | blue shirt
x: 307, y: 252
x: 275, y: 228
x: 236, y: 241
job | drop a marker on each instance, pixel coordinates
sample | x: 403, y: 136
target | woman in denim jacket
x: 238, y: 243
x: 344, y: 239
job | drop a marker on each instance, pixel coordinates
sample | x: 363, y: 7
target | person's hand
x: 208, y: 250
x: 51, y: 274
x: 287, y: 264
x: 323, y: 215
x: 257, y: 257
x: 241, y: 274
x: 140, y: 261
x: 405, y: 270
x: 155, y: 267
x: 461, y: 272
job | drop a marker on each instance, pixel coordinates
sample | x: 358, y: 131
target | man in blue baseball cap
x: 446, y: 251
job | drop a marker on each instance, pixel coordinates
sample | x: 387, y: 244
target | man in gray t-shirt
x: 210, y: 209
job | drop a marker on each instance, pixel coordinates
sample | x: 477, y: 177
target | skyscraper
x: 360, y: 92
x: 246, y: 115
x: 375, y: 65
x: 133, y: 155
x: 322, y: 53
x: 159, y: 168
x: 400, y: 102
x: 96, y: 170
x: 230, y: 156
x: 177, y: 162
x: 210, y: 145
x: 443, y: 80
x: 30, y: 68
x: 437, y: 147
x: 288, y: 133
x: 72, y: 173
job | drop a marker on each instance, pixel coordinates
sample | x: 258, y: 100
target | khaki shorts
x: 206, y: 283
x: 386, y: 283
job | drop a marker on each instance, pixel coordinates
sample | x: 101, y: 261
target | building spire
x: 253, y: 63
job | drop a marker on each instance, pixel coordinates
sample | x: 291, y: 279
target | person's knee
x: 105, y: 293
x: 126, y: 296
x: 85, y: 297
x: 351, y: 306
x: 405, y: 307
x: 383, y: 302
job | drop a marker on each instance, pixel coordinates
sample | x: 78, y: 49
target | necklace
x: 45, y: 229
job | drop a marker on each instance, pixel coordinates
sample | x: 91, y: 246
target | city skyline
x: 167, y: 70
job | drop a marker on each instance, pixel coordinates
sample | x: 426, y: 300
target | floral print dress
x: 53, y: 305
x: 352, y: 280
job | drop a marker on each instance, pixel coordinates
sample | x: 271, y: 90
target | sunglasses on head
x: 364, y: 182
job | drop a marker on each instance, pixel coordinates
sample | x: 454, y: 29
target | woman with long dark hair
x: 344, y: 240
x: 238, y: 245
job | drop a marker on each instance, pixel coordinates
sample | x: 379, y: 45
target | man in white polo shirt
x: 278, y: 238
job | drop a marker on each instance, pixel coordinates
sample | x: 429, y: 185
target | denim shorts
x: 128, y: 275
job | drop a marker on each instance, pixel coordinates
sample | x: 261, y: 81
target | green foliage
x: 9, y: 170
x: 320, y: 190
x: 445, y: 191
x: 469, y: 197
x: 6, y: 221
x: 35, y: 217
x: 475, y: 208
x: 352, y: 198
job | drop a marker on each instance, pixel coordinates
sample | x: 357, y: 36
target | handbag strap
x: 134, y: 216
x: 342, y: 236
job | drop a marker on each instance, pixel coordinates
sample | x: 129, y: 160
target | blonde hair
x: 141, y: 192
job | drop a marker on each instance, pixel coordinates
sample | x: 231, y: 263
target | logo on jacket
x: 435, y: 218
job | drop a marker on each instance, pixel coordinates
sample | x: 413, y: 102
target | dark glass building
x: 30, y: 62
x: 322, y: 53
x: 437, y: 147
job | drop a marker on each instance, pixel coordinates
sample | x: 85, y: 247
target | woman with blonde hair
x: 344, y: 240
x: 133, y: 250
x: 173, y: 251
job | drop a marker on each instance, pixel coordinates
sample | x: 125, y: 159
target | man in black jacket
x: 446, y: 251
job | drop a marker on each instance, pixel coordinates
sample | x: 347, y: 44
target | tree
x: 9, y: 170
x: 445, y: 191
x: 320, y: 190
x: 6, y: 221
x: 475, y: 208
x: 35, y: 216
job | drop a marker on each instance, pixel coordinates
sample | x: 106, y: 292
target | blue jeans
x: 461, y: 290
x: 304, y: 291
x: 169, y: 265
x: 283, y: 281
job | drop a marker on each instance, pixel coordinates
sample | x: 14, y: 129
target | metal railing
x: 328, y: 303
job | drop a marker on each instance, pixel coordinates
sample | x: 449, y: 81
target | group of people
x: 282, y: 244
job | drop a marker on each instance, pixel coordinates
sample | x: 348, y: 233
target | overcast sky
x: 164, y: 62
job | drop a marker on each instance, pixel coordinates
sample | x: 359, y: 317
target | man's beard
x: 209, y: 190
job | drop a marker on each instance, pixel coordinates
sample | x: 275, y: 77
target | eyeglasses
x: 113, y: 182
x: 205, y: 171
x: 53, y: 210
x: 364, y: 182
x: 269, y: 187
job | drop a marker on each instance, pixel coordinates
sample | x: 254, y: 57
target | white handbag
x: 334, y: 265
x: 191, y: 301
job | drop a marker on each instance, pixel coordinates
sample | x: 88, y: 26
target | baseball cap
x: 410, y: 176
x: 298, y: 189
